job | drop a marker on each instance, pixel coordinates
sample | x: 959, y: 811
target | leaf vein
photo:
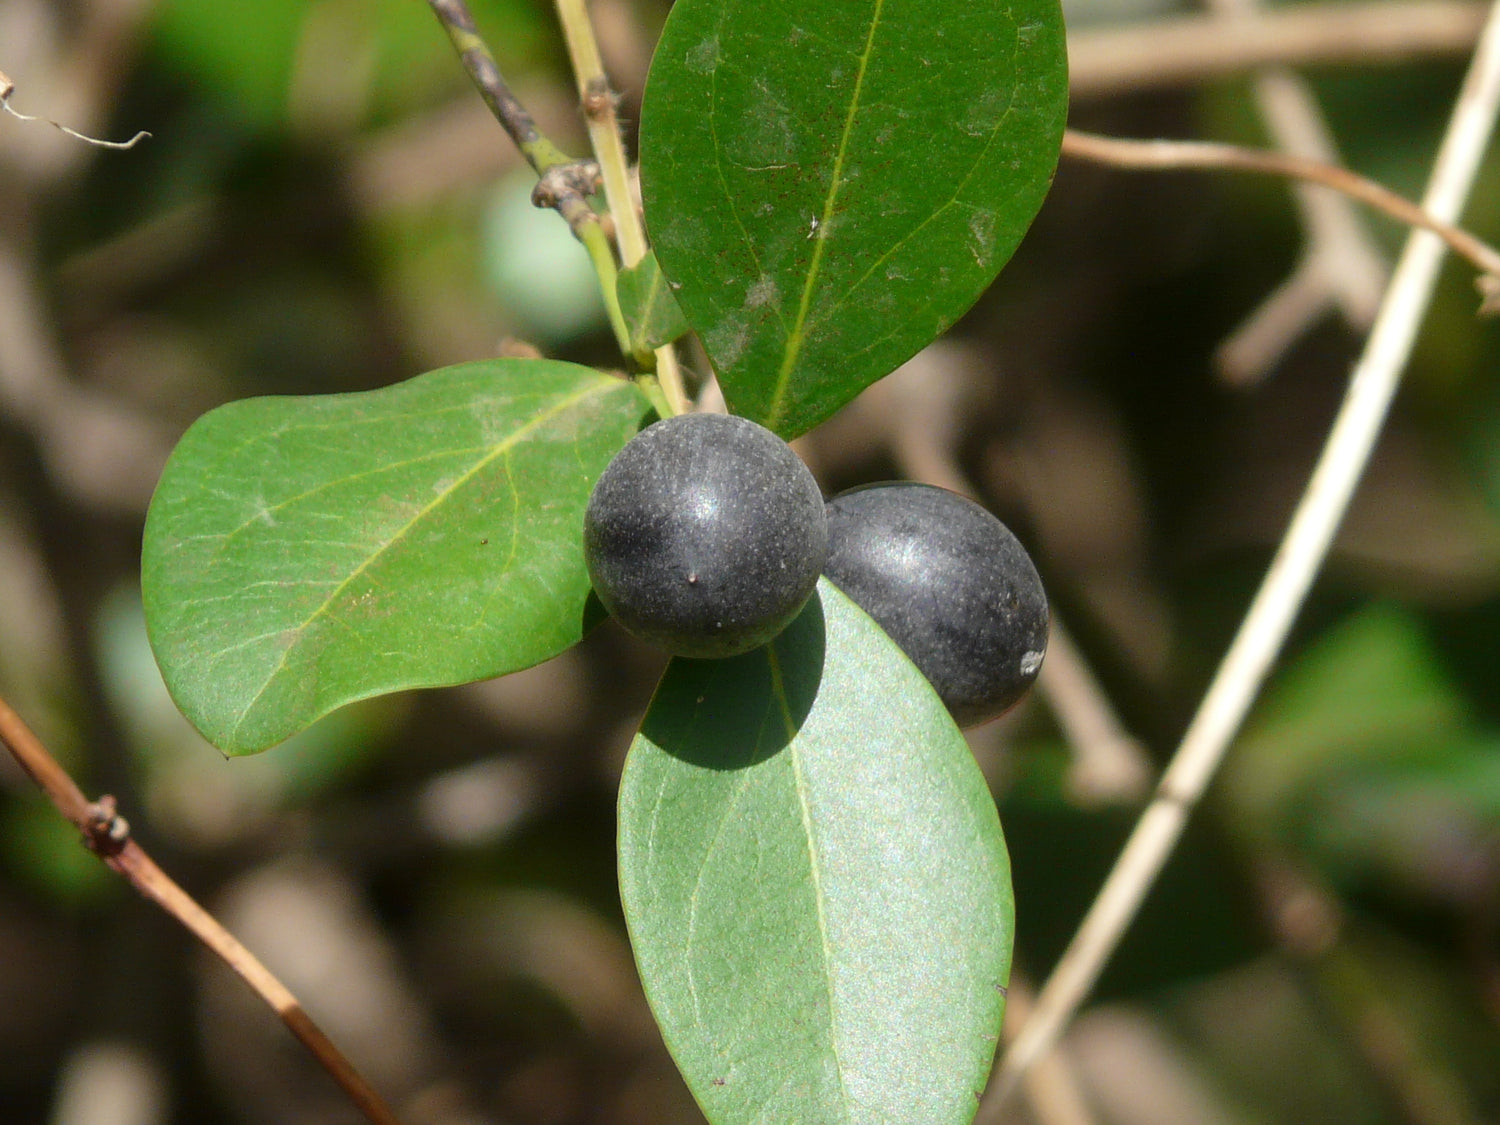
x: 500, y: 450
x: 799, y: 327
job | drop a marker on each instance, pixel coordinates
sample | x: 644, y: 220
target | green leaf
x: 832, y: 185
x: 1369, y: 693
x: 815, y: 881
x: 303, y: 553
x: 243, y: 53
x: 649, y: 308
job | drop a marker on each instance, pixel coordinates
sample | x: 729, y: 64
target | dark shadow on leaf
x: 732, y: 714
x: 594, y: 614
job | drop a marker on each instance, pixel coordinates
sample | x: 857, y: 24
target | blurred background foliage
x: 324, y: 205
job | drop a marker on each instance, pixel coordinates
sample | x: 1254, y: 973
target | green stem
x: 563, y: 184
x: 482, y: 68
x: 598, y: 100
x: 591, y: 234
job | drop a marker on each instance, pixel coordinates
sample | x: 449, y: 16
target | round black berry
x: 949, y: 583
x: 705, y: 535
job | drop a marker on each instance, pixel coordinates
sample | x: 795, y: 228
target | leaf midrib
x: 798, y: 333
x: 499, y: 450
x: 778, y: 690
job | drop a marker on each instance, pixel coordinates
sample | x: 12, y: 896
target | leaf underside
x: 830, y: 186
x: 303, y: 553
x: 816, y: 884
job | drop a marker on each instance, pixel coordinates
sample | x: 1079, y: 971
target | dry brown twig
x: 1118, y: 152
x: 107, y: 834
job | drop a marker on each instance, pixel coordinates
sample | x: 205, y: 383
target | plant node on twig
x: 599, y: 101
x: 564, y: 184
x: 106, y: 832
x: 565, y: 188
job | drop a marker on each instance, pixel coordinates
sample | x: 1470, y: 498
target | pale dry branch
x: 1108, y: 766
x: 7, y: 88
x: 1344, y: 268
x: 1340, y: 266
x: 1052, y: 1088
x: 1181, y: 50
x: 1297, y: 561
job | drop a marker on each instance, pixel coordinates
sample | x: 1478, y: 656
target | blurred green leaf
x: 303, y: 553
x: 1364, y: 761
x: 1430, y: 829
x: 243, y: 52
x: 47, y: 851
x: 834, y: 184
x: 816, y: 885
x: 1368, y: 693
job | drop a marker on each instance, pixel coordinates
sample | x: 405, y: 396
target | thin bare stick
x: 107, y: 834
x: 1268, y: 333
x: 1108, y: 766
x: 1178, y: 50
x: 1297, y: 561
x: 7, y: 88
x: 1119, y: 152
x: 1340, y: 264
x: 1052, y: 1086
x: 1340, y: 252
x: 598, y: 99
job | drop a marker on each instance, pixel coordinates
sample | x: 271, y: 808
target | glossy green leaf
x: 649, y: 308
x: 833, y: 185
x: 303, y: 553
x: 815, y: 881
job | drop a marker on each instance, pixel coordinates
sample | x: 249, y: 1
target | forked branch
x: 598, y: 100
x: 563, y: 183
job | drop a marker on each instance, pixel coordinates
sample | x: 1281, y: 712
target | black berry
x: 705, y: 535
x: 949, y: 583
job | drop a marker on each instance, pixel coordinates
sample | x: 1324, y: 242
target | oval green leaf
x: 830, y: 186
x: 815, y: 881
x: 648, y: 306
x: 303, y: 553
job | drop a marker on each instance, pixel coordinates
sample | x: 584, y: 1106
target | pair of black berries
x: 706, y: 535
